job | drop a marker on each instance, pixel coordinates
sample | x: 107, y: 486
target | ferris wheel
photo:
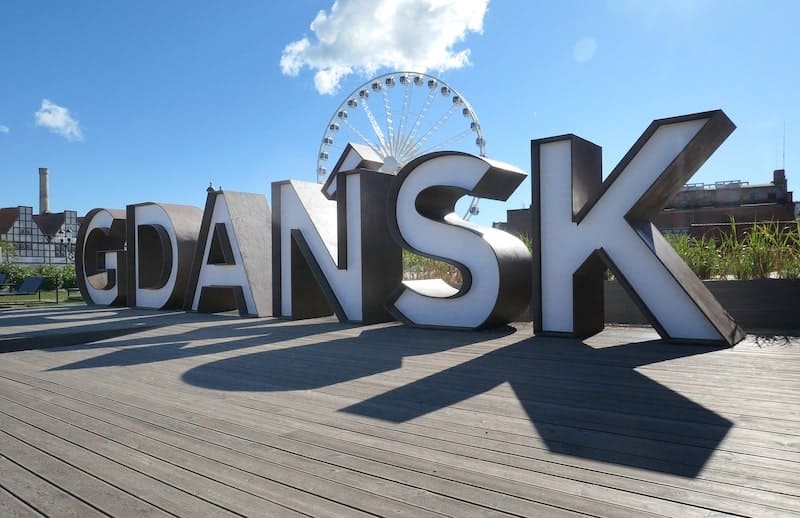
x: 400, y: 116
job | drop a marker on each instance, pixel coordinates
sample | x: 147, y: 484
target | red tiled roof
x: 8, y: 216
x: 49, y: 223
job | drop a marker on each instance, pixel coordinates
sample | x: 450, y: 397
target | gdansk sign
x: 339, y: 249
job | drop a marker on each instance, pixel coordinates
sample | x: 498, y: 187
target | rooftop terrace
x: 130, y: 412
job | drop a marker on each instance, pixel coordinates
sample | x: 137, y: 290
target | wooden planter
x: 757, y: 304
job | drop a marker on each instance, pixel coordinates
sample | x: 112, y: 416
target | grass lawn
x: 48, y: 297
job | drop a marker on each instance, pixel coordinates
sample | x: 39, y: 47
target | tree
x: 8, y: 250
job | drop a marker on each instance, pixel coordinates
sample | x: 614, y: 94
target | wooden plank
x: 760, y: 452
x: 43, y: 496
x: 596, y: 504
x: 714, y: 387
x: 547, y: 391
x: 638, y: 495
x: 648, y: 428
x: 409, y: 363
x: 467, y: 429
x: 154, y: 491
x: 116, y: 443
x: 12, y: 507
x: 517, y: 485
x: 655, y: 403
x: 462, y: 433
x: 97, y: 492
x: 629, y: 390
x: 445, y: 439
x: 259, y: 446
x: 392, y: 330
x: 230, y: 468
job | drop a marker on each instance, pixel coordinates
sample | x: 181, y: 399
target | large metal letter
x: 495, y: 266
x: 100, y: 264
x: 161, y: 243
x: 334, y: 256
x: 232, y: 267
x: 582, y: 224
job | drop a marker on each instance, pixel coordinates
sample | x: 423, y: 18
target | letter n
x: 583, y: 224
x: 334, y: 256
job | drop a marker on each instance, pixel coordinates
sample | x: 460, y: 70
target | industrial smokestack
x: 44, y: 191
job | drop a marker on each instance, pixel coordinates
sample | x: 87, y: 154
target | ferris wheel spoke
x: 387, y: 110
x: 420, y: 117
x: 433, y: 129
x: 364, y: 138
x: 450, y: 140
x: 407, y: 91
x: 376, y: 128
x: 404, y: 149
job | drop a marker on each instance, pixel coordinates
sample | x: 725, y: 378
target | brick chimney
x: 44, y: 191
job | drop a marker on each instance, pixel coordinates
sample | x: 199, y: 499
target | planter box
x: 756, y: 304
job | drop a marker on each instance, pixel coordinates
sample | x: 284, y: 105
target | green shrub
x: 788, y: 260
x: 764, y: 251
x: 420, y: 267
x: 68, y: 278
x: 702, y: 255
x: 7, y: 250
x: 51, y: 274
x: 527, y: 240
x: 15, y: 273
x: 54, y: 275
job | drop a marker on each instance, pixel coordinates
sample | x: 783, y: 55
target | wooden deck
x: 146, y: 413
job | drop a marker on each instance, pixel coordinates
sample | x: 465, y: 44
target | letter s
x: 495, y: 266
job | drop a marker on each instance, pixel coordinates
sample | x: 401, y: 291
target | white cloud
x: 58, y: 120
x: 584, y: 50
x: 361, y: 36
x: 4, y: 129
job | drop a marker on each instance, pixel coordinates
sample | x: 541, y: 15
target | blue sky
x: 151, y: 100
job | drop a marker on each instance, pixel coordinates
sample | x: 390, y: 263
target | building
x: 518, y: 222
x: 44, y: 238
x: 705, y: 209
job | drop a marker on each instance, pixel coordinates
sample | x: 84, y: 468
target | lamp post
x: 65, y: 237
x: 67, y: 240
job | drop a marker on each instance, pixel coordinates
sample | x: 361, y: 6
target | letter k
x: 583, y: 224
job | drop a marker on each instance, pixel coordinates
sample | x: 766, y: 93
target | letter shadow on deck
x: 328, y: 362
x: 584, y: 402
x: 235, y: 335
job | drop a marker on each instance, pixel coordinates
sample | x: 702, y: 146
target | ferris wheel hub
x: 391, y: 165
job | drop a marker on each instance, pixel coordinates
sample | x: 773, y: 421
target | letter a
x: 231, y: 268
x: 583, y: 225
